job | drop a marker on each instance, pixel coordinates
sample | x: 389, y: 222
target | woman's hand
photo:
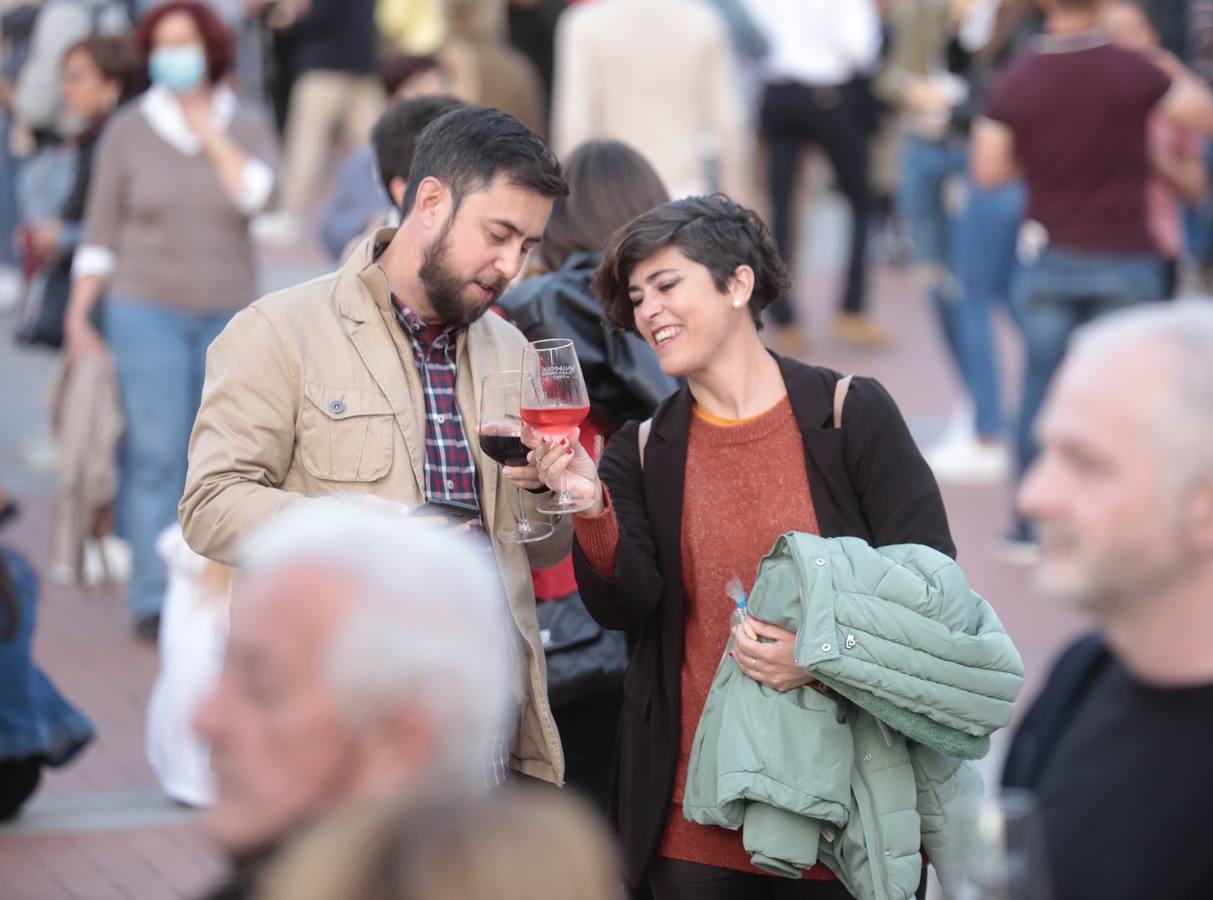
x: 45, y: 238
x: 197, y: 112
x: 552, y: 457
x: 772, y: 664
x: 81, y: 338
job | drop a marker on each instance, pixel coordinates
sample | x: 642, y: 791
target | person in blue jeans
x: 178, y: 175
x: 37, y: 726
x: 1071, y: 115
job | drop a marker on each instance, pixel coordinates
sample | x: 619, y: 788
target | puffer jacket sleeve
x: 902, y: 624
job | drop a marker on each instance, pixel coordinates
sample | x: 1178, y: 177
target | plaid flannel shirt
x: 450, y: 472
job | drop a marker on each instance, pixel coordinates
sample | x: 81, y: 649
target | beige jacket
x: 88, y: 423
x: 270, y: 433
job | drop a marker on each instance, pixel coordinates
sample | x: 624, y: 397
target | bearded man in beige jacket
x: 367, y: 381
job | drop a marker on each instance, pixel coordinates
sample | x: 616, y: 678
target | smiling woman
x: 750, y: 449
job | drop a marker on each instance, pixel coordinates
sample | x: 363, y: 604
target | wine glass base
x: 555, y: 507
x: 530, y: 536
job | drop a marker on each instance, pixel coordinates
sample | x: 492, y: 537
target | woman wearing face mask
x: 178, y: 176
x: 748, y: 450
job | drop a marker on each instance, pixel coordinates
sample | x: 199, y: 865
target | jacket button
x: 867, y: 757
x: 441, y: 419
x: 825, y: 648
x: 821, y: 562
x: 337, y: 407
x: 888, y: 853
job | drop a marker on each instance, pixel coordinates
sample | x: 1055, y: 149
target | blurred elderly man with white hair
x: 1117, y: 747
x: 368, y: 656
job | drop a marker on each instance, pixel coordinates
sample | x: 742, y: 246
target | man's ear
x: 396, y: 190
x: 432, y: 203
x: 397, y: 751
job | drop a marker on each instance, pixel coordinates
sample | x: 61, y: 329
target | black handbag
x: 583, y: 658
x: 41, y: 313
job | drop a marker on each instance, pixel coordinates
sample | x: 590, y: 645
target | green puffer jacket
x: 862, y: 779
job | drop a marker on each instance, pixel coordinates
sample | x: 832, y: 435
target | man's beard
x: 444, y: 289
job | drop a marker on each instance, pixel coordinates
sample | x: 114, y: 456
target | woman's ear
x: 741, y: 286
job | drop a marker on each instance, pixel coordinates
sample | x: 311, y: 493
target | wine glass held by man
x: 747, y: 451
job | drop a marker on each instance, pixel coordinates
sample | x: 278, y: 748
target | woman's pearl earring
x: 737, y: 304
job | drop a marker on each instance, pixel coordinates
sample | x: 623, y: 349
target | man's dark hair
x: 395, y: 134
x: 468, y: 148
x: 713, y: 231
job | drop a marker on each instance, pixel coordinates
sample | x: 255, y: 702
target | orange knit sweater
x: 745, y: 485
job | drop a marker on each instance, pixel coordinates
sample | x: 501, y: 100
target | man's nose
x: 510, y: 263
x: 207, y: 714
x: 1036, y: 491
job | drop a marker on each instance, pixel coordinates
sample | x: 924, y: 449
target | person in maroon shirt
x: 1070, y: 116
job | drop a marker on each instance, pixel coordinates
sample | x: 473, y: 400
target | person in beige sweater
x: 177, y: 177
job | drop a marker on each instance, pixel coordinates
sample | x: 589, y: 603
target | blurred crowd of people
x: 486, y: 174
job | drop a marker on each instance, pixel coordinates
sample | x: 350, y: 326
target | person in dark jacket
x: 334, y: 50
x: 609, y: 185
x: 98, y: 74
x: 37, y: 726
x: 1117, y: 746
x: 750, y: 449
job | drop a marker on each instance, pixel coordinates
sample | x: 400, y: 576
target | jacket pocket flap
x: 345, y: 402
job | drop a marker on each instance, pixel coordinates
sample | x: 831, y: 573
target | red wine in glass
x: 504, y: 449
x: 554, y: 421
x: 500, y: 434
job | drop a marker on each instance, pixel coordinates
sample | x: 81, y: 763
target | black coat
x: 866, y: 479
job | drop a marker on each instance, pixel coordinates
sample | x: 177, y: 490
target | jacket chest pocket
x: 345, y: 433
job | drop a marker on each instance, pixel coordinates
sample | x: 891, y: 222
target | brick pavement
x: 99, y: 830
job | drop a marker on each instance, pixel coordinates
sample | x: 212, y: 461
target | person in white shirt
x: 818, y: 48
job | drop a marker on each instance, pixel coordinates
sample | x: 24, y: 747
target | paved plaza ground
x: 100, y: 829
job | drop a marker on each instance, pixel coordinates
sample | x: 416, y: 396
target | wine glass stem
x: 564, y: 499
x: 524, y: 523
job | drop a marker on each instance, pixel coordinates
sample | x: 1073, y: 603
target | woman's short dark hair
x: 115, y: 57
x: 216, y: 38
x: 713, y: 231
x: 609, y: 185
x: 468, y: 147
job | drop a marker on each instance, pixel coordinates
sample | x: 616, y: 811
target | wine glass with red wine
x: 554, y: 401
x: 500, y: 435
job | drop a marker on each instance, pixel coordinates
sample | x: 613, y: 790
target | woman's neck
x: 198, y: 95
x: 742, y: 381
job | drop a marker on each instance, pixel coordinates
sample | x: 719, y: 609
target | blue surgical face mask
x: 180, y: 69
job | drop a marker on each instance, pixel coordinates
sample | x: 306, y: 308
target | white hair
x: 1182, y: 333
x: 430, y: 624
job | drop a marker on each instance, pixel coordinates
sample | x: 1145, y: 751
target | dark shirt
x: 1078, y: 109
x: 337, y: 36
x: 1126, y: 797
